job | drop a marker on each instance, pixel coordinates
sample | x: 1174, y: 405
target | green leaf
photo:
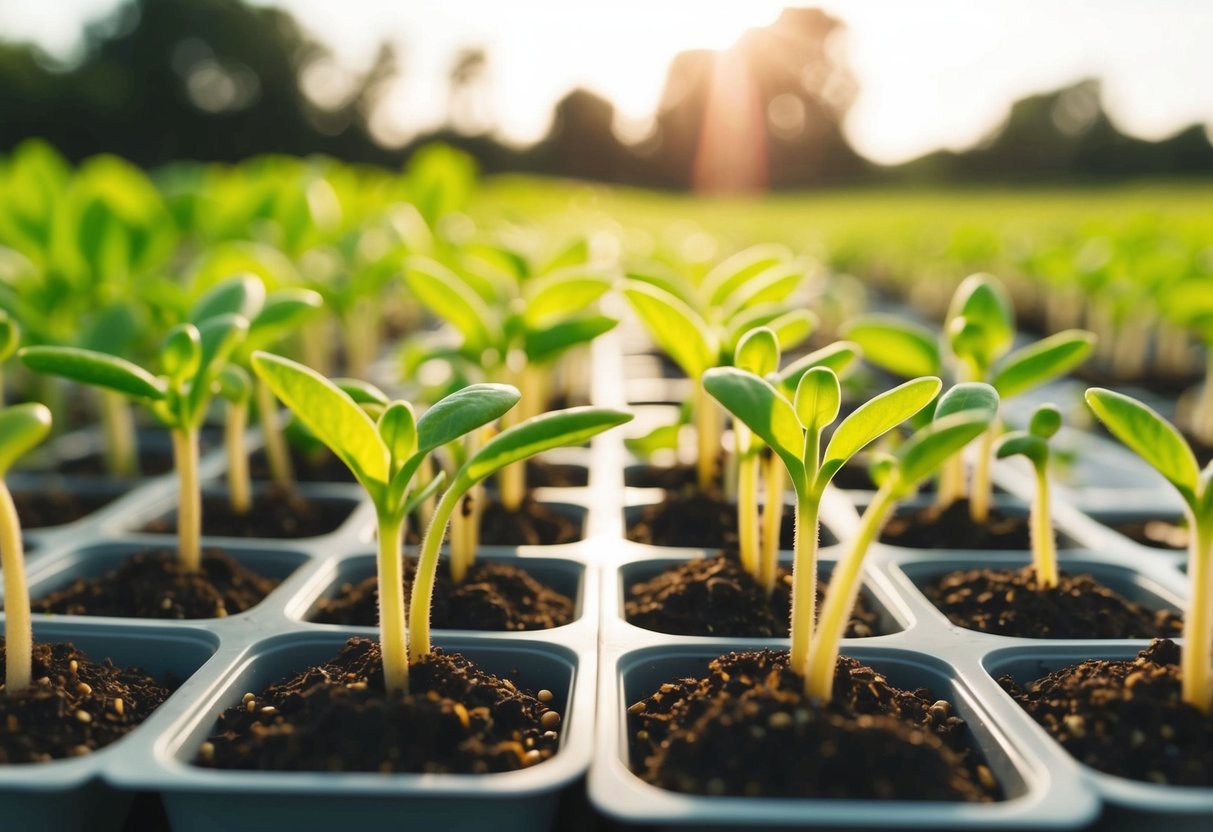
x: 759, y: 406
x: 1042, y: 361
x: 10, y: 336
x: 838, y: 356
x: 330, y: 414
x: 931, y: 446
x: 235, y: 385
x: 448, y: 297
x: 283, y: 312
x: 1021, y: 443
x: 733, y: 272
x: 462, y: 412
x: 675, y: 328
x: 1046, y: 421
x: 771, y: 285
x: 242, y: 295
x: 818, y: 398
x: 903, y: 348
x: 181, y: 353
x: 983, y: 303
x: 972, y: 395
x: 661, y: 438
x: 538, y: 434
x: 398, y: 429
x: 551, y: 342
x: 1149, y: 436
x: 561, y: 295
x: 420, y: 496
x: 95, y: 368
x: 793, y: 328
x: 875, y: 418
x: 362, y: 392
x: 664, y: 277
x: 757, y: 352
x: 22, y: 427
x: 218, y: 337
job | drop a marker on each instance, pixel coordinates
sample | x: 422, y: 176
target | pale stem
x: 277, y: 455
x: 427, y: 569
x: 361, y: 336
x: 1044, y: 545
x: 121, y: 455
x: 951, y: 482
x: 189, y: 508
x: 238, y: 484
x: 772, y: 518
x: 1196, y: 663
x: 982, y: 488
x: 707, y: 436
x: 18, y: 631
x: 393, y: 629
x: 465, y: 525
x: 804, y: 582
x: 315, y: 345
x: 425, y: 475
x: 840, y: 598
x: 1203, y: 417
x: 511, y: 480
x: 747, y: 511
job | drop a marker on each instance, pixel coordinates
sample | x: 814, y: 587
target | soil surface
x: 929, y: 528
x: 534, y: 524
x: 1125, y: 717
x: 320, y: 466
x: 152, y: 463
x: 671, y: 478
x: 274, y: 514
x: 39, y: 509
x: 338, y: 717
x: 493, y: 596
x: 714, y: 596
x: 540, y: 474
x: 152, y: 584
x: 702, y: 521
x: 1157, y: 534
x: 747, y: 729
x: 1012, y: 603
x: 75, y: 706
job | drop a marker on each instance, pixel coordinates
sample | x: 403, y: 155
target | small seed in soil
x: 549, y: 720
x: 544, y: 696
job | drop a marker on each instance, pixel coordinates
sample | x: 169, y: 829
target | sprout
x: 1034, y: 444
x: 385, y: 455
x: 10, y: 341
x: 1162, y: 446
x: 978, y: 333
x: 192, y: 358
x: 961, y: 415
x: 793, y: 427
x: 21, y: 428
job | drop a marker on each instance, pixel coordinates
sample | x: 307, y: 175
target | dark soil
x: 671, y: 478
x: 1125, y: 717
x: 75, y: 706
x: 337, y: 717
x: 152, y: 584
x: 1157, y: 534
x: 540, y: 474
x: 1011, y: 603
x: 152, y: 463
x: 493, y: 596
x: 534, y: 524
x: 714, y: 596
x: 702, y: 521
x: 274, y: 514
x: 929, y: 528
x: 319, y: 466
x: 747, y: 729
x: 39, y: 509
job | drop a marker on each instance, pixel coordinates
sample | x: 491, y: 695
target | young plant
x: 191, y: 360
x: 385, y: 455
x: 1033, y: 444
x: 961, y: 415
x: 975, y: 345
x: 793, y: 427
x: 10, y: 341
x: 699, y: 326
x: 1157, y: 442
x: 21, y: 428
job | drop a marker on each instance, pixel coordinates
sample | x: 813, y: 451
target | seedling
x: 1034, y: 444
x: 385, y: 455
x: 975, y: 345
x: 793, y: 427
x: 1157, y: 442
x: 191, y: 360
x: 21, y: 428
x: 700, y: 326
x: 10, y: 341
x: 961, y: 415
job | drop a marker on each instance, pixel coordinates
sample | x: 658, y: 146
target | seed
x: 544, y: 696
x: 166, y: 604
x: 73, y: 665
x: 81, y: 750
x: 269, y: 710
x: 462, y: 713
x: 207, y: 751
x: 1075, y: 725
x: 550, y: 719
x: 359, y: 686
x: 779, y: 719
x: 640, y: 735
x: 84, y: 688
x: 221, y: 612
x: 84, y: 716
x: 119, y: 706
x: 250, y: 706
x: 247, y: 697
x: 986, y: 777
x: 638, y: 708
x: 531, y: 757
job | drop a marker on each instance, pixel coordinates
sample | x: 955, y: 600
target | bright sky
x: 933, y: 73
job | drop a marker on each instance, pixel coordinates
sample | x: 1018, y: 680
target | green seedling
x: 975, y: 345
x: 1033, y: 444
x: 961, y: 415
x: 1157, y: 442
x: 192, y: 358
x: 758, y: 542
x: 384, y: 456
x: 792, y: 427
x: 700, y: 325
x: 10, y: 341
x: 21, y: 428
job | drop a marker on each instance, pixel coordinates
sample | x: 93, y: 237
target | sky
x: 932, y: 73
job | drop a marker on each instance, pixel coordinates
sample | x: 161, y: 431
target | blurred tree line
x: 218, y: 80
